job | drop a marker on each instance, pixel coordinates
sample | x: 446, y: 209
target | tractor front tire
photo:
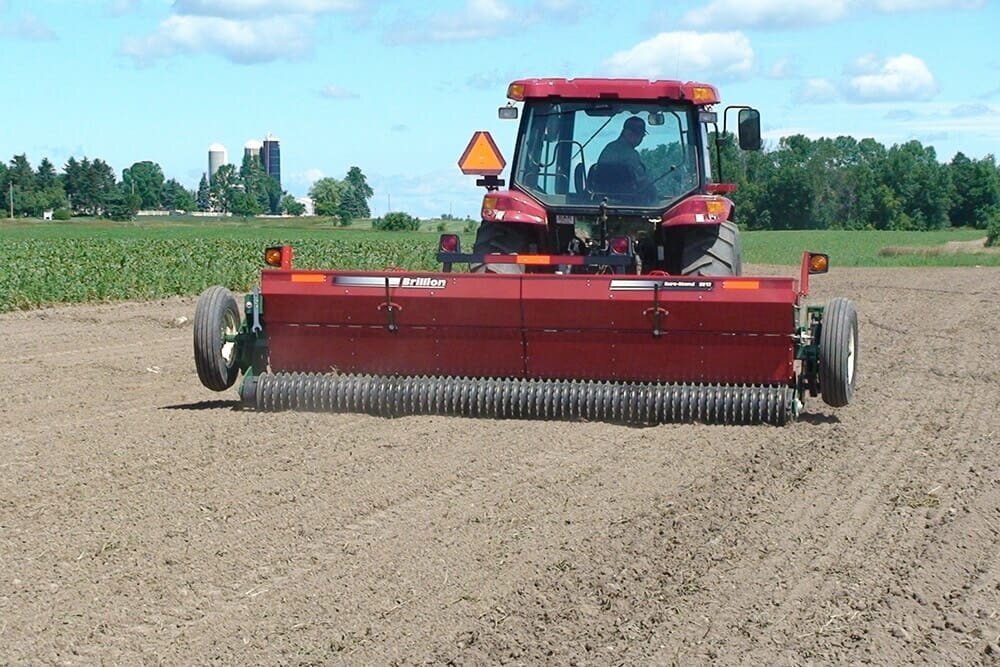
x: 216, y: 316
x: 712, y: 251
x: 838, y: 352
x: 501, y: 239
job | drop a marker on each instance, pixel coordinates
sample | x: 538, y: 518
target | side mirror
x: 508, y: 112
x: 749, y: 129
x: 655, y: 118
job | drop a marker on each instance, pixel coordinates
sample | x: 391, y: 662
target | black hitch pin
x: 657, y: 312
x: 390, y: 309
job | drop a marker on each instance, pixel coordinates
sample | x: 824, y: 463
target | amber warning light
x: 481, y: 157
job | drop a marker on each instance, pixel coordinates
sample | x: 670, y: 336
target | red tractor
x: 605, y: 284
x: 612, y: 168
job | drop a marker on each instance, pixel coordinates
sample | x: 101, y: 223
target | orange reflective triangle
x: 481, y: 156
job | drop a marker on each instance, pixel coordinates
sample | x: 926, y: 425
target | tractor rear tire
x: 215, y: 317
x: 838, y: 352
x: 503, y: 239
x: 712, y: 251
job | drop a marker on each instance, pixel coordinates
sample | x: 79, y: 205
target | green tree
x: 203, y: 200
x: 22, y: 177
x: 89, y: 185
x: 921, y: 185
x: 292, y: 207
x: 224, y: 184
x: 49, y: 187
x: 396, y: 221
x: 255, y: 184
x: 327, y: 195
x: 72, y: 180
x: 789, y: 199
x: 274, y: 195
x: 122, y: 204
x: 244, y: 204
x: 976, y: 191
x: 354, y: 203
x: 45, y: 175
x: 146, y: 180
x: 176, y: 197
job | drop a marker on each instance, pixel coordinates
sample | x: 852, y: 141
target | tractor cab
x: 573, y: 154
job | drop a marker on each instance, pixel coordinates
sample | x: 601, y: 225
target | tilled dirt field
x: 146, y: 520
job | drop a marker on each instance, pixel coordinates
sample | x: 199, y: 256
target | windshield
x: 577, y: 153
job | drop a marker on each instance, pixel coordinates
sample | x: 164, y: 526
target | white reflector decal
x: 394, y: 281
x: 666, y: 284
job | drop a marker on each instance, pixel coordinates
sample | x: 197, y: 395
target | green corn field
x: 47, y: 264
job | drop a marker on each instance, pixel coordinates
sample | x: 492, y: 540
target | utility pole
x: 11, y: 197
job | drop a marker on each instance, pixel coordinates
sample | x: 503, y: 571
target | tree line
x: 844, y: 183
x: 92, y: 188
x: 801, y: 183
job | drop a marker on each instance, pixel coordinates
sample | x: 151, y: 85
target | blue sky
x: 397, y: 88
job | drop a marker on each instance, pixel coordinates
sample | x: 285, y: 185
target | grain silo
x: 216, y: 158
x: 252, y: 148
x: 272, y: 157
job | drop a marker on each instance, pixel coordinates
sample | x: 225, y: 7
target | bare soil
x: 146, y: 520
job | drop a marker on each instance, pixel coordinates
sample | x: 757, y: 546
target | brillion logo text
x: 425, y: 283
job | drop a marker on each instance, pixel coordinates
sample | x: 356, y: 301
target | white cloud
x: 764, y: 13
x: 782, y: 14
x: 564, y: 11
x: 902, y: 77
x: 313, y: 175
x: 253, y: 8
x: 971, y: 110
x: 120, y: 7
x: 717, y: 55
x: 243, y: 31
x: 245, y: 42
x: 900, y: 114
x: 334, y: 92
x: 892, y: 6
x: 817, y: 91
x: 28, y: 27
x: 782, y: 69
x: 479, y: 18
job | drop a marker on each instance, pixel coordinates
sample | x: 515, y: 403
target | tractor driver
x: 621, y: 157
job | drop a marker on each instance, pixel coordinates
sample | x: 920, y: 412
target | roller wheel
x: 216, y: 317
x: 712, y: 251
x: 499, y: 238
x: 838, y: 352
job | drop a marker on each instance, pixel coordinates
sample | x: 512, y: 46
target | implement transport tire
x: 838, y: 352
x: 499, y: 238
x: 712, y: 251
x: 216, y: 316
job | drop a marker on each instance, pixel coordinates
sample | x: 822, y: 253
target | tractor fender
x: 698, y: 210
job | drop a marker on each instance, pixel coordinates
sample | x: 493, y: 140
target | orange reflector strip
x: 740, y: 284
x: 308, y: 278
x: 534, y: 259
x: 481, y: 156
